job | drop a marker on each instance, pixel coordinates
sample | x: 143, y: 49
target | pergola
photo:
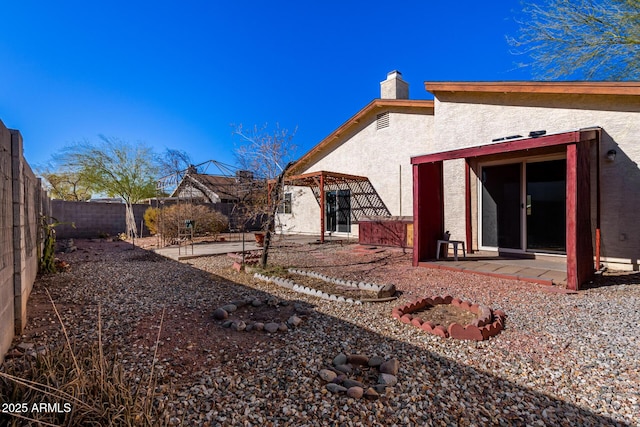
x: 365, y: 201
x: 428, y: 196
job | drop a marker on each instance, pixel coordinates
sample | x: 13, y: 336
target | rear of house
x: 533, y: 168
x: 361, y: 170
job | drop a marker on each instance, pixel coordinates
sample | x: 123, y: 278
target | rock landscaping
x: 488, y: 323
x: 357, y: 375
x: 241, y: 315
x: 379, y: 293
x: 562, y: 360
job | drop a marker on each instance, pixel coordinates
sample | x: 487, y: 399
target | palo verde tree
x: 581, y: 39
x: 267, y: 154
x: 65, y: 185
x: 115, y: 168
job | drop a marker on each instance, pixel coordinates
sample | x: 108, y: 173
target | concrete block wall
x: 93, y: 219
x: 22, y: 203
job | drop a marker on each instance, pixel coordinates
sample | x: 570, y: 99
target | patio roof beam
x: 510, y: 146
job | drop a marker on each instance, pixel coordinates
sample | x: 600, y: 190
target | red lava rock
x: 427, y: 326
x: 440, y: 331
x: 447, y: 299
x: 406, y: 318
x: 416, y: 321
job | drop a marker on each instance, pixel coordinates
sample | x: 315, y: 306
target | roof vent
x: 537, y: 133
x: 382, y: 120
x: 505, y: 138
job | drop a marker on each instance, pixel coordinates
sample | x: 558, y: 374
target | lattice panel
x: 365, y: 201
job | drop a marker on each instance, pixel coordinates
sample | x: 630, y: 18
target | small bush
x: 170, y: 221
x: 151, y: 219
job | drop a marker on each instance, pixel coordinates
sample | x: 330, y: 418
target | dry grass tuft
x: 82, y: 386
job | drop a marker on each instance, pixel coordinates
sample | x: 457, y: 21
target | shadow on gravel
x: 613, y: 279
x: 274, y: 377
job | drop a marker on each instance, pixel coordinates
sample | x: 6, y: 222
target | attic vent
x: 383, y: 121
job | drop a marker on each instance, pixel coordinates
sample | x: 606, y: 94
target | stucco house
x: 533, y: 168
x: 362, y: 170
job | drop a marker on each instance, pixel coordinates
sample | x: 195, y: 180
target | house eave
x: 333, y: 138
x: 631, y: 88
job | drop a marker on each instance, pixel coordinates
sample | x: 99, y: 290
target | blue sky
x: 178, y: 74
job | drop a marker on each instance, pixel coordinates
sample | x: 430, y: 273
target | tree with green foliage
x: 115, y: 168
x: 65, y: 185
x: 581, y: 39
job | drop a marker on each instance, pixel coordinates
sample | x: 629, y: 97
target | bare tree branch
x: 581, y: 39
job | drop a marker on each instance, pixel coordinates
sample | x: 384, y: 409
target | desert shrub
x: 86, y: 385
x: 151, y: 219
x: 207, y: 221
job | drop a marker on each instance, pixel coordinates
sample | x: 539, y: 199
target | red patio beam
x: 509, y: 146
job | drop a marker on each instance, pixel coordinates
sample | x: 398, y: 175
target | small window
x: 285, y: 204
x: 383, y: 121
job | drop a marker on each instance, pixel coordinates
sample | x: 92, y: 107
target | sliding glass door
x: 523, y: 206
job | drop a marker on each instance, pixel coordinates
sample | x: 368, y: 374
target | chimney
x: 394, y: 87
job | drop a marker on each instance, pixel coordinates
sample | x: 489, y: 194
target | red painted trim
x: 509, y: 146
x: 417, y: 244
x: 579, y: 241
x: 428, y: 210
x: 571, y: 226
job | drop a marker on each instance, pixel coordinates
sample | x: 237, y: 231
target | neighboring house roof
x: 375, y: 106
x: 565, y: 88
x: 215, y: 188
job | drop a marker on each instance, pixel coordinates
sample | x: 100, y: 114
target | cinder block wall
x: 22, y: 203
x: 6, y: 242
x: 93, y: 219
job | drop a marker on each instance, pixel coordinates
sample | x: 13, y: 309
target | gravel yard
x: 562, y: 359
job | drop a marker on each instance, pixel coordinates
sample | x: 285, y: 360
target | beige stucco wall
x: 471, y: 119
x: 384, y: 156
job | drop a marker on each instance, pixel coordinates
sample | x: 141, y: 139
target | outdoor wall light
x: 611, y: 155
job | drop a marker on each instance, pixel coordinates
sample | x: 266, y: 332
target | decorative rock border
x: 338, y: 381
x: 385, y: 292
x: 488, y: 323
x: 223, y: 312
